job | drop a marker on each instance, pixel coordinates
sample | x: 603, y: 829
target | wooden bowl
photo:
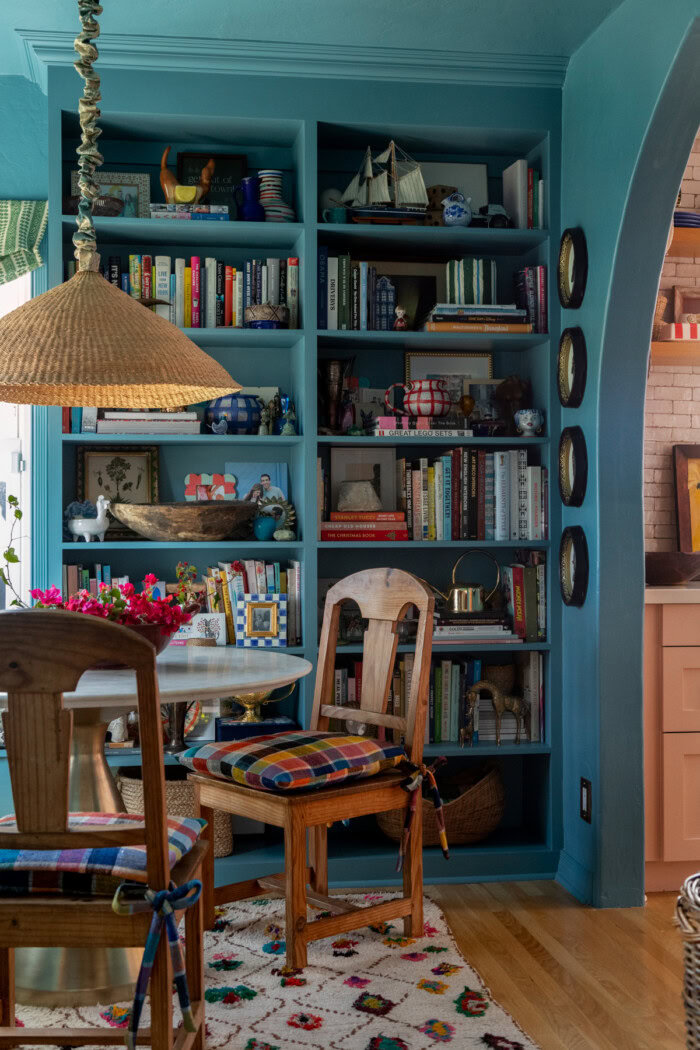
x: 671, y: 568
x: 189, y: 522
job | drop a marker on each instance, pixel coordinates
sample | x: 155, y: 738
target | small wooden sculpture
x: 510, y: 396
x: 501, y: 703
x: 174, y: 192
x: 466, y: 733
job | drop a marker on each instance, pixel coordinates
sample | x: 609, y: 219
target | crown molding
x: 44, y: 48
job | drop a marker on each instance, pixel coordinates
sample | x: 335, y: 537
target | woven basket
x: 179, y: 801
x: 688, y: 918
x: 662, y: 301
x: 470, y: 818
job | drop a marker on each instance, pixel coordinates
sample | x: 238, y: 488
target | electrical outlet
x: 586, y: 800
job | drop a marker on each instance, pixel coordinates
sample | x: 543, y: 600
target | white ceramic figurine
x: 88, y: 528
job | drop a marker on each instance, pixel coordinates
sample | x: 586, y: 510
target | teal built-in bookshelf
x: 317, y: 139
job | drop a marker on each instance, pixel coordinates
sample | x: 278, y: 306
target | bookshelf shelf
x: 432, y: 544
x: 433, y: 239
x: 487, y: 750
x: 490, y: 647
x: 198, y: 234
x: 245, y: 338
x: 416, y: 439
x: 228, y: 442
x: 430, y: 340
x: 240, y: 546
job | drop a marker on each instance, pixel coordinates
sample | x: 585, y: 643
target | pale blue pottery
x: 456, y: 210
x: 264, y: 527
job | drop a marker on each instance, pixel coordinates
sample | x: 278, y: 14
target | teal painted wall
x: 630, y: 112
x: 23, y: 140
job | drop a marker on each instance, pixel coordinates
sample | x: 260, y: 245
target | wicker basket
x: 470, y: 818
x: 662, y: 301
x: 688, y: 918
x: 179, y: 801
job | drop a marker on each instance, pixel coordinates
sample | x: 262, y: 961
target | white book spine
x: 502, y: 496
x: 489, y: 510
x: 88, y: 423
x: 171, y: 300
x: 161, y: 265
x: 264, y: 289
x: 332, y: 293
x: 522, y: 495
x: 514, y: 528
x: 293, y: 294
x: 541, y: 600
x: 180, y: 293
x: 238, y: 298
x: 210, y: 301
x: 534, y: 519
x: 439, y: 517
x: 273, y: 281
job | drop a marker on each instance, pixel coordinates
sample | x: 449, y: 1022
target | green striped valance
x: 22, y: 225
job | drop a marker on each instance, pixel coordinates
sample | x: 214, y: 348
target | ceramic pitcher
x: 422, y: 397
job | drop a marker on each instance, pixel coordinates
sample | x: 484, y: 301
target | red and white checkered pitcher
x: 422, y: 397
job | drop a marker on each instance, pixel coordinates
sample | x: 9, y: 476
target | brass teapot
x: 469, y: 597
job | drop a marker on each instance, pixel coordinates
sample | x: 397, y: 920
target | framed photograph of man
x: 261, y: 621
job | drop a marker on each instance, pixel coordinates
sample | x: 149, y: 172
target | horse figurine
x: 177, y: 193
x: 91, y: 527
x: 515, y: 704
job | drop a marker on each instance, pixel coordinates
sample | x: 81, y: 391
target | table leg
x: 82, y: 976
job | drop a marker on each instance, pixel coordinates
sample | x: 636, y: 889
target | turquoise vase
x: 264, y: 527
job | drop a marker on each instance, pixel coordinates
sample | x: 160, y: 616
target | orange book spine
x: 461, y: 326
x: 228, y: 296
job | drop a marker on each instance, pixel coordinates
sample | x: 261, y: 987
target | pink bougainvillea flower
x: 51, y: 596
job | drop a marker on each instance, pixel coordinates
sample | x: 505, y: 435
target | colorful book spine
x: 195, y: 264
x: 432, y: 529
x: 238, y: 300
x: 501, y: 496
x: 332, y: 293
x: 210, y: 293
x: 447, y: 497
x: 180, y: 293
x: 292, y: 279
x: 219, y: 291
x: 162, y: 265
x: 364, y: 279
x: 489, y: 507
x: 135, y: 276
x: 322, y: 287
x: 146, y: 277
x: 188, y: 297
x: 523, y: 497
x: 228, y: 296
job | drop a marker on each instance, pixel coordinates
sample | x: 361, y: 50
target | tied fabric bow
x: 419, y: 773
x: 163, y: 905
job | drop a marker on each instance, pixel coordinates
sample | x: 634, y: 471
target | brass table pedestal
x: 82, y: 976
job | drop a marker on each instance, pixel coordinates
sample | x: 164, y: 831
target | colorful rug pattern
x: 372, y: 989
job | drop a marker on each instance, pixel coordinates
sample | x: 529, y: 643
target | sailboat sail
x: 353, y: 191
x: 400, y: 183
x: 379, y: 189
x: 411, y: 189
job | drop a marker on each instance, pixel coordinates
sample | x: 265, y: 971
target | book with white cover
x: 502, y: 496
x: 332, y: 293
x: 210, y: 293
x: 161, y: 265
x: 515, y: 193
x: 180, y: 293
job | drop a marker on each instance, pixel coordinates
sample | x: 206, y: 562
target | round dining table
x: 77, y: 976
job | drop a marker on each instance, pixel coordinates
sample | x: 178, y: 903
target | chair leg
x: 162, y: 998
x: 194, y: 962
x: 208, y: 863
x: 319, y: 858
x: 7, y: 987
x: 295, y: 890
x: 413, y: 876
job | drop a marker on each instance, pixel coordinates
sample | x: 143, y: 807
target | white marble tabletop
x: 191, y: 673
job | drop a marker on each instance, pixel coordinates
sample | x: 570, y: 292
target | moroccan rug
x: 372, y: 989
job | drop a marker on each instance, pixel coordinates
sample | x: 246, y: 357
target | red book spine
x: 456, y: 492
x: 228, y: 296
x: 358, y: 681
x: 481, y: 496
x: 65, y: 420
x: 146, y: 277
x: 368, y: 534
x: 196, y: 289
x: 542, y: 299
x: 530, y: 198
x: 363, y: 526
x: 368, y: 515
x: 519, y: 625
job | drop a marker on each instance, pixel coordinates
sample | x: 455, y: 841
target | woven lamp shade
x: 86, y: 342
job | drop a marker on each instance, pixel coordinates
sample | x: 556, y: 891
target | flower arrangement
x: 120, y: 604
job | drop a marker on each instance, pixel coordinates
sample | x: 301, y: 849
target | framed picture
x: 375, y: 465
x: 126, y: 474
x: 209, y: 626
x: 261, y: 621
x: 134, y: 188
x: 686, y: 469
x: 258, y: 481
x: 209, y: 487
x: 483, y: 390
x: 470, y: 179
x: 454, y: 366
x: 685, y: 301
x: 229, y: 169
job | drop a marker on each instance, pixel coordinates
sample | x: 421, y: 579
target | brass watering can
x: 469, y: 597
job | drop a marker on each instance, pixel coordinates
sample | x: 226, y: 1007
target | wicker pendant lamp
x: 86, y: 342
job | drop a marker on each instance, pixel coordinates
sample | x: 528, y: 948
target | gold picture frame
x: 262, y: 619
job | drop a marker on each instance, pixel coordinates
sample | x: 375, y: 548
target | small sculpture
x: 91, y: 527
x: 290, y: 417
x: 264, y: 427
x: 174, y: 192
x: 515, y: 704
x: 400, y: 323
x: 456, y: 210
x: 220, y: 427
x: 529, y: 421
x: 510, y: 396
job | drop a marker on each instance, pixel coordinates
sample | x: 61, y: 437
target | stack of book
x: 463, y: 317
x: 418, y: 426
x: 205, y: 292
x: 473, y: 628
x: 215, y: 212
x: 525, y: 594
x: 125, y: 422
x: 226, y: 582
x: 523, y: 195
x: 472, y: 494
x: 365, y: 525
x: 530, y: 288
x: 352, y: 296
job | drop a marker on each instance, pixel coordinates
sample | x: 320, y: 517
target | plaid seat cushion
x: 89, y: 871
x: 289, y: 761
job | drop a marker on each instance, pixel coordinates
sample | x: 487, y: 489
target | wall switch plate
x: 586, y: 803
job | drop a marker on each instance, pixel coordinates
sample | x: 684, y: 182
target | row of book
x: 523, y: 195
x: 423, y: 426
x: 79, y: 578
x: 205, y: 292
x: 352, y: 296
x: 462, y: 317
x: 227, y: 581
x: 530, y: 292
x: 201, y: 212
x: 86, y: 420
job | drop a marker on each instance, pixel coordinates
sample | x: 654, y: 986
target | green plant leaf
x: 12, y: 500
x: 18, y: 513
x: 10, y: 556
x: 3, y: 578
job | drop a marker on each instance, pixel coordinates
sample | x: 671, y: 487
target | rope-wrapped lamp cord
x: 89, y: 157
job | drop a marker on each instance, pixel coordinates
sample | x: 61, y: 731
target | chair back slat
x: 384, y: 597
x: 42, y: 655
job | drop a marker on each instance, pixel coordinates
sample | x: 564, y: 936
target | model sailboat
x: 387, y: 188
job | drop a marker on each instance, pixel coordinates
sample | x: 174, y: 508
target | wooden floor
x: 574, y: 978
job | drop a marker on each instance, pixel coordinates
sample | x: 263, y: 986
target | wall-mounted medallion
x: 572, y: 366
x: 573, y: 466
x: 573, y: 565
x: 573, y: 268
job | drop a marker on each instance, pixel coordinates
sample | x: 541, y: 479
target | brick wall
x: 672, y: 411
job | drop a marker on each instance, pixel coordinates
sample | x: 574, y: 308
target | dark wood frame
x: 577, y: 344
x: 219, y: 195
x: 573, y: 490
x: 117, y: 531
x: 682, y: 454
x: 573, y: 240
x: 575, y: 535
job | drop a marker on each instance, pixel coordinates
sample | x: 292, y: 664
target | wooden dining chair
x: 384, y: 596
x: 43, y: 654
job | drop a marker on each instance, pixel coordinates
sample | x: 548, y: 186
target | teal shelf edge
x: 431, y: 544
x: 452, y: 750
x: 173, y: 231
x: 440, y: 238
x: 416, y: 439
x: 472, y: 647
x: 227, y: 440
x: 157, y: 545
x: 431, y: 340
x: 248, y: 338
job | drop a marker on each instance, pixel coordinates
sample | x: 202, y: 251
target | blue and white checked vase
x: 234, y: 414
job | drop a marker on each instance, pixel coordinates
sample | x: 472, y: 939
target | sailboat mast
x: 394, y: 173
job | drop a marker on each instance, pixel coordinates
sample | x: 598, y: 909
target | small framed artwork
x: 376, y: 467
x: 209, y: 487
x: 127, y: 474
x: 686, y: 305
x: 261, y: 621
x: 229, y: 169
x: 686, y: 469
x: 203, y: 626
x: 134, y: 188
x: 455, y: 366
x: 257, y: 481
